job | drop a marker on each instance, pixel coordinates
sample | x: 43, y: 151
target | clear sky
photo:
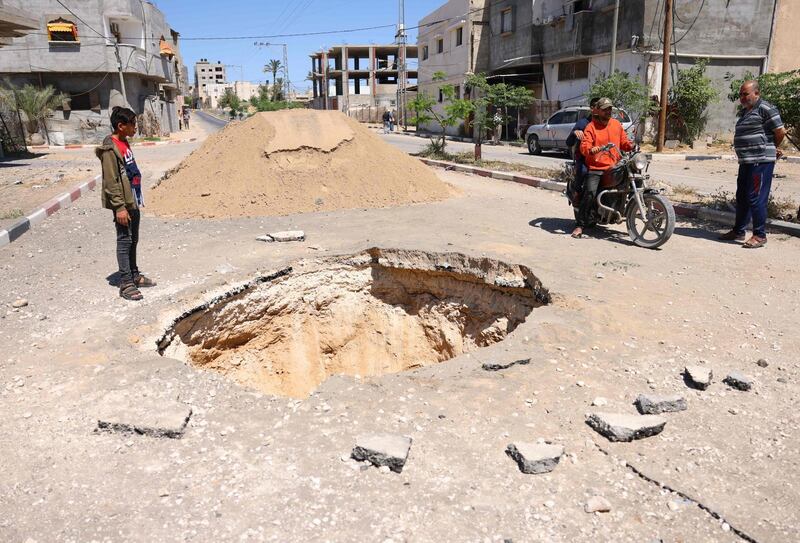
x: 227, y: 18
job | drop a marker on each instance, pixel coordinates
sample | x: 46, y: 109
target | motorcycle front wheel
x: 656, y: 228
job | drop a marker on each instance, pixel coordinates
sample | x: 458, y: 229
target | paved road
x: 705, y: 177
x: 214, y: 122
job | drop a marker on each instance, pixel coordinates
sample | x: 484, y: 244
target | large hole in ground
x: 376, y: 312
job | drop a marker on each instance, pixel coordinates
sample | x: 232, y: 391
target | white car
x: 552, y: 135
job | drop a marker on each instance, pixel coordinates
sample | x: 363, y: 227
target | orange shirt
x: 596, y: 135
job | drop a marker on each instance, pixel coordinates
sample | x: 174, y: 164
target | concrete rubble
x: 388, y: 450
x: 624, y: 427
x: 146, y: 416
x: 597, y: 504
x: 535, y: 458
x: 698, y: 377
x: 649, y: 404
x: 738, y: 381
x: 497, y: 366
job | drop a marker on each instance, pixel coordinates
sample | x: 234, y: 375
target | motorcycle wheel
x: 654, y: 230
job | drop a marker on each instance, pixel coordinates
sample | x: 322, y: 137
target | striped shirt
x: 754, y: 140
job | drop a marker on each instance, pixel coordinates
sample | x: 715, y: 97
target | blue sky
x: 207, y: 18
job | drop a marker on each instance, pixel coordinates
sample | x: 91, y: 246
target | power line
x: 63, y: 5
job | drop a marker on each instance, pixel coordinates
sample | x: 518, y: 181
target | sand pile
x: 293, y: 161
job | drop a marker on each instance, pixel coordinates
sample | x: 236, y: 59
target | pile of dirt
x: 293, y: 161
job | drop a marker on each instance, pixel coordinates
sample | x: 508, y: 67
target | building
x: 206, y: 74
x: 352, y: 77
x: 450, y: 41
x: 559, y: 48
x: 14, y: 23
x: 78, y: 56
x: 783, y: 55
x: 244, y: 90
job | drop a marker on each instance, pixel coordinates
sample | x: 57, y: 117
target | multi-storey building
x: 206, y: 74
x: 103, y: 53
x: 449, y: 42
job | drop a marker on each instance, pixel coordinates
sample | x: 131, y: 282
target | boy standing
x: 122, y: 193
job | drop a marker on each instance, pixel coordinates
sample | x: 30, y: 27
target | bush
x: 689, y: 99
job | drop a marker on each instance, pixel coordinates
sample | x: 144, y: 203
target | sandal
x: 130, y: 292
x: 143, y: 281
x: 754, y: 243
x: 577, y: 233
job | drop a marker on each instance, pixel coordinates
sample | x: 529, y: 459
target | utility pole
x: 614, y: 39
x: 402, y: 74
x: 662, y: 114
x: 286, y: 83
x: 119, y: 69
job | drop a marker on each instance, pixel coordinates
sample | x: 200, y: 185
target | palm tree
x: 37, y: 104
x: 273, y: 66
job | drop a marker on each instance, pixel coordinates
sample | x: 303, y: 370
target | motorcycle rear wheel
x: 654, y: 230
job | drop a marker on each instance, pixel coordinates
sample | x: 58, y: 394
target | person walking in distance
x: 186, y: 118
x: 122, y: 194
x: 759, y: 133
x: 387, y: 116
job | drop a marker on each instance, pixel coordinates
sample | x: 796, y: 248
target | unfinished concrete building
x: 352, y: 78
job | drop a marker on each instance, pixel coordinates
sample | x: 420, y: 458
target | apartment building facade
x: 78, y: 56
x: 207, y: 74
x: 450, y: 42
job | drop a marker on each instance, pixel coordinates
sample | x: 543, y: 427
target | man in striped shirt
x: 759, y: 133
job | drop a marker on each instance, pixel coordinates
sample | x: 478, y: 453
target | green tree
x: 689, y: 99
x: 453, y: 110
x: 230, y: 100
x: 781, y: 89
x: 34, y: 102
x: 625, y: 92
x: 273, y: 67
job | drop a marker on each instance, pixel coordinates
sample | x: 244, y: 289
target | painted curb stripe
x: 64, y: 200
x: 4, y: 240
x: 75, y: 193
x: 36, y: 217
x: 54, y: 205
x: 18, y: 229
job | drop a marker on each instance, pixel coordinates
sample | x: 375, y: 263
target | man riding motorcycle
x: 601, y: 131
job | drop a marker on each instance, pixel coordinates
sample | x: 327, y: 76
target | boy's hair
x: 121, y: 115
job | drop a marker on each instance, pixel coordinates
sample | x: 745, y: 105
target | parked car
x: 552, y: 135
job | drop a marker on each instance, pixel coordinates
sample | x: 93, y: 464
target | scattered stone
x: 204, y: 194
x: 266, y: 238
x: 534, y: 458
x: 597, y: 504
x: 738, y: 381
x: 672, y: 505
x: 649, y: 404
x: 383, y: 450
x: 290, y: 235
x: 163, y: 493
x: 384, y: 469
x: 497, y: 366
x: 17, y: 304
x: 698, y: 377
x: 549, y: 504
x: 599, y: 402
x: 762, y: 363
x: 146, y: 416
x: 623, y: 427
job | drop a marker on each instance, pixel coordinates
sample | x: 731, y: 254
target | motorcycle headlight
x: 640, y: 161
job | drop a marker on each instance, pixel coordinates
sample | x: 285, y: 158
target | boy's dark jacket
x: 117, y: 192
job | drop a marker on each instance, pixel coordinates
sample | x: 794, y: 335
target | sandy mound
x: 293, y: 161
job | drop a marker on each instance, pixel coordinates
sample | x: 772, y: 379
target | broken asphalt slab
x: 649, y: 404
x: 698, y: 377
x: 146, y: 416
x: 624, y: 427
x: 535, y: 458
x: 389, y: 450
x: 738, y: 381
x: 497, y: 366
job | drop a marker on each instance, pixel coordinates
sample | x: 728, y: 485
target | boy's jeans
x: 127, y: 239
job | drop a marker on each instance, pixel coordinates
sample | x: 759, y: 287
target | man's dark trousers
x: 752, y: 193
x: 587, y: 212
x: 127, y: 239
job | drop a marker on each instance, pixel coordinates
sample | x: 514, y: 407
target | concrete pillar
x: 372, y: 86
x: 313, y: 77
x: 345, y: 81
x: 325, y: 82
x: 357, y: 81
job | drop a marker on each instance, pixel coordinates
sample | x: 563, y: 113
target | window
x: 556, y: 119
x: 62, y: 30
x: 457, y: 92
x: 441, y: 96
x: 621, y: 116
x: 570, y: 117
x: 568, y: 71
x: 506, y: 21
x: 459, y: 36
x: 424, y: 52
x: 440, y: 45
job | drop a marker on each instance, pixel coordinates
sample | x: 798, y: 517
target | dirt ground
x: 254, y: 467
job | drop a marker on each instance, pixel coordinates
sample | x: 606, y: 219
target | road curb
x: 49, y: 208
x: 691, y: 211
x: 73, y: 147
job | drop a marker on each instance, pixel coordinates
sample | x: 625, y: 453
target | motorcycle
x: 624, y: 195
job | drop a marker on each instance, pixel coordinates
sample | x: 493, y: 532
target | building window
x: 457, y: 92
x: 62, y: 30
x: 441, y: 96
x: 459, y: 36
x: 578, y: 69
x: 506, y: 21
x: 440, y: 45
x: 424, y: 52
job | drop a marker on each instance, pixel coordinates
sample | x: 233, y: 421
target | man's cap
x: 604, y: 103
